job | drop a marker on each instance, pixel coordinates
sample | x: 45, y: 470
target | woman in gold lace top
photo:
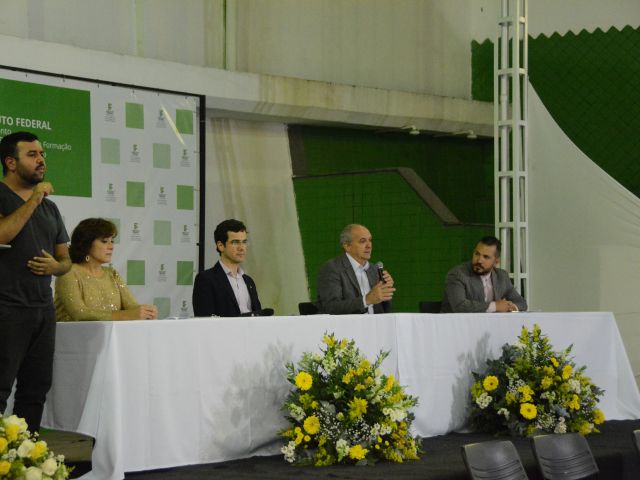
x: 90, y: 291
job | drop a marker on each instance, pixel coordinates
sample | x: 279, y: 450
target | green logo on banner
x: 62, y: 120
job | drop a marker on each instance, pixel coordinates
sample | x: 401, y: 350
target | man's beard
x: 32, y: 179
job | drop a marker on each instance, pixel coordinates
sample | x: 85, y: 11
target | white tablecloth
x: 177, y: 392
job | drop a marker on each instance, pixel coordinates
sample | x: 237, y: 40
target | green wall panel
x: 407, y: 237
x: 590, y: 83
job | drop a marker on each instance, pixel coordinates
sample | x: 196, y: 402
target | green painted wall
x: 590, y: 83
x: 414, y: 246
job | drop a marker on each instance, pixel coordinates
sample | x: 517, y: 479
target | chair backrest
x: 636, y: 440
x: 565, y: 456
x: 496, y: 459
x: 307, y: 308
x: 429, y: 306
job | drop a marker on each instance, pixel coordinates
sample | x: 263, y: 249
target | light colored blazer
x: 464, y: 291
x: 338, y: 289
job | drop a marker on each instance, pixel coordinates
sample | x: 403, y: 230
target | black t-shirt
x: 44, y: 230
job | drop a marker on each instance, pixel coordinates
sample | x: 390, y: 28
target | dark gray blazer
x: 464, y: 291
x: 338, y: 289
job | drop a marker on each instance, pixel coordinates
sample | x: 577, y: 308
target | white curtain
x: 584, y: 232
x: 248, y: 176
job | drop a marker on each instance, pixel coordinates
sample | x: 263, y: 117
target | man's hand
x: 505, y: 306
x: 40, y: 191
x: 387, y: 278
x: 382, y: 292
x: 45, y: 265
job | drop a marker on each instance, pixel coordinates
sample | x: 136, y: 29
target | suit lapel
x: 351, y: 275
x: 229, y: 293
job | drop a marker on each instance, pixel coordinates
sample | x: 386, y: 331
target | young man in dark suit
x: 225, y: 290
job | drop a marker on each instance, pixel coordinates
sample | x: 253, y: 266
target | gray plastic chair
x: 494, y: 460
x: 636, y: 440
x: 565, y: 456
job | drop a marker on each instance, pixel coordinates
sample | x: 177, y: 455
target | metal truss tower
x: 510, y: 141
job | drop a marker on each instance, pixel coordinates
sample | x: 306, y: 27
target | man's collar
x: 227, y: 270
x: 355, y: 264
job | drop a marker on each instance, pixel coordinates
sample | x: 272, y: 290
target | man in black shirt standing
x: 31, y: 225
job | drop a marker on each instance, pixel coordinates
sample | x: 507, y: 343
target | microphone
x: 380, y: 270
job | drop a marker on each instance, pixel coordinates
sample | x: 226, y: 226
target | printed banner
x: 127, y: 155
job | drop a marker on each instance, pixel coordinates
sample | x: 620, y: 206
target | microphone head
x: 380, y: 266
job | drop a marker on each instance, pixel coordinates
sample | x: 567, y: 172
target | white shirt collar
x: 356, y: 266
x: 227, y: 270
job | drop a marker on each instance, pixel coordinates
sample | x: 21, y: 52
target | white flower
x: 289, y: 451
x: 561, y: 427
x: 33, y: 473
x: 484, y: 400
x: 49, y: 466
x: 503, y: 411
x: 395, y: 414
x: 296, y: 411
x: 342, y: 447
x: 25, y: 448
x: 574, y: 385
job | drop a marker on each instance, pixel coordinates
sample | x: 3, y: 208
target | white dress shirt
x: 363, y: 280
x: 239, y: 287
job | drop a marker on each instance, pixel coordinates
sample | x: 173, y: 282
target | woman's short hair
x: 85, y: 233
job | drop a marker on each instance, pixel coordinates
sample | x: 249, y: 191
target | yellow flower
x: 307, y: 438
x: 304, y: 381
x: 526, y: 392
x: 598, y: 417
x: 299, y: 438
x: 585, y: 428
x: 314, y: 405
x: 359, y: 387
x: 329, y: 340
x: 357, y: 452
x: 343, y: 344
x: 4, y: 467
x: 389, y: 383
x: 528, y: 411
x: 3, y: 444
x: 346, y: 378
x: 312, y: 425
x: 11, y: 431
x: 490, y: 383
x: 364, y: 365
x: 39, y: 449
x: 574, y: 403
x: 357, y: 408
x: 549, y: 371
x: 554, y: 362
x: 546, y: 382
x: 567, y: 370
x: 510, y: 398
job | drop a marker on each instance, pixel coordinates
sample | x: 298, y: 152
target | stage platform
x: 441, y: 460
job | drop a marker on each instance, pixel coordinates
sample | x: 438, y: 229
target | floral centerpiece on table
x: 24, y: 457
x: 342, y: 409
x: 532, y: 389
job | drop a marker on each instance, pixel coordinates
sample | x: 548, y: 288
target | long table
x: 158, y: 394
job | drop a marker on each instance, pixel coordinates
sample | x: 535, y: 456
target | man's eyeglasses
x: 237, y: 243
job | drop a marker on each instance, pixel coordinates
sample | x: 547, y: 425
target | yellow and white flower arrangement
x: 532, y: 389
x: 24, y: 457
x: 342, y: 409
